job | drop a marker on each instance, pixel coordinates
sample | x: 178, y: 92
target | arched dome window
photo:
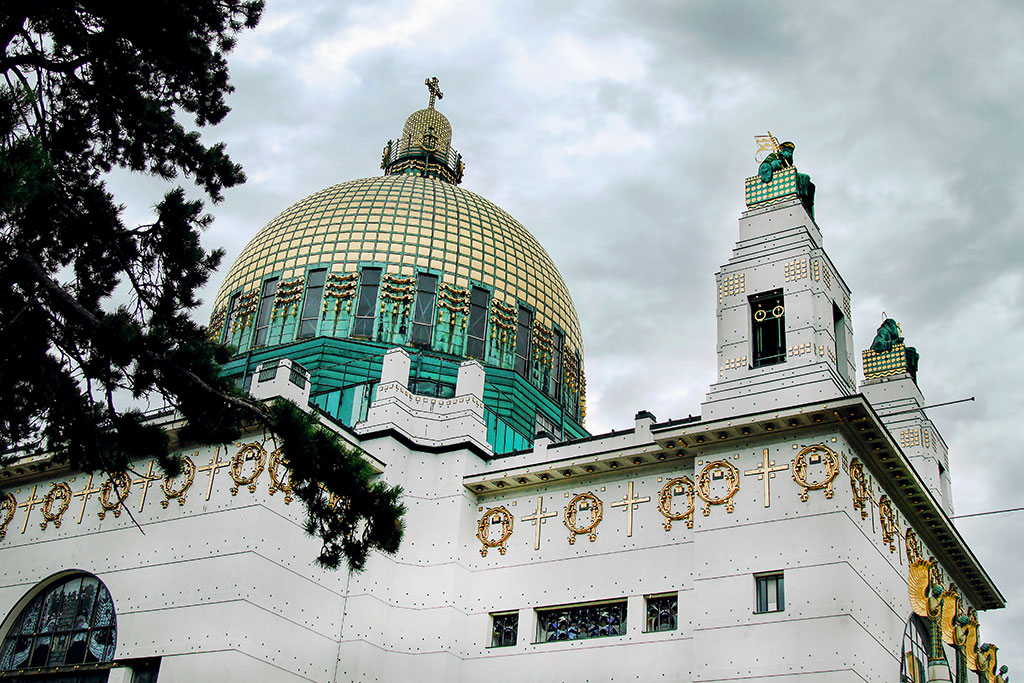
x: 916, y: 646
x: 70, y: 622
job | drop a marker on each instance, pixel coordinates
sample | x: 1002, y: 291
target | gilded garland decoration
x: 859, y: 485
x: 167, y: 485
x: 498, y: 515
x: 277, y: 483
x: 913, y: 546
x: 9, y: 504
x: 887, y: 516
x: 258, y: 456
x: 718, y: 470
x: 583, y: 501
x: 814, y: 455
x: 60, y: 492
x: 118, y: 484
x: 676, y: 487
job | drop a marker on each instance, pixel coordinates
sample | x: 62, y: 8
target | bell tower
x: 784, y: 331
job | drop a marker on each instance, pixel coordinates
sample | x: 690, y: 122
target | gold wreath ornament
x: 7, y: 505
x: 118, y: 484
x: 813, y: 455
x: 61, y: 492
x: 188, y: 471
x: 498, y: 515
x: 258, y: 456
x: 676, y: 487
x: 583, y: 501
x: 277, y: 483
x: 723, y: 468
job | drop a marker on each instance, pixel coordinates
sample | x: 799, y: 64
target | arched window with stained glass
x: 68, y: 625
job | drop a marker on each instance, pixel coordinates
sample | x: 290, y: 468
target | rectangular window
x: 229, y: 319
x: 594, y: 620
x: 839, y: 329
x: 662, y: 612
x: 366, y: 303
x: 524, y: 334
x: 556, y: 365
x: 504, y: 629
x: 770, y: 596
x: 768, y: 328
x: 477, y: 328
x: 423, y: 309
x: 266, y: 308
x: 314, y: 301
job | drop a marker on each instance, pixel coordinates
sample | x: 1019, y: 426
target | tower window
x: 423, y: 309
x: 266, y: 308
x: 314, y: 300
x: 768, y: 327
x: 842, y: 353
x: 366, y: 304
x: 475, y: 335
x: 524, y: 332
x: 770, y: 595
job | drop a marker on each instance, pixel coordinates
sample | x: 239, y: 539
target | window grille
x: 504, y: 629
x: 578, y: 622
x: 662, y: 612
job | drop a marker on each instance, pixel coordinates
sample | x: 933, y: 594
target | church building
x: 798, y: 529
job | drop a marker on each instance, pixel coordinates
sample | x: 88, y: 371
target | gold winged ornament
x: 917, y: 585
x: 987, y: 663
x: 970, y: 646
x: 950, y: 611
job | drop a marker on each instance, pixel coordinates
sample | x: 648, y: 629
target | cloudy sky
x: 620, y: 135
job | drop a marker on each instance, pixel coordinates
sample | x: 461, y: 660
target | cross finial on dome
x: 435, y: 90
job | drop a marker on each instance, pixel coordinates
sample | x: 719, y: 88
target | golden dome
x: 423, y: 124
x: 407, y: 223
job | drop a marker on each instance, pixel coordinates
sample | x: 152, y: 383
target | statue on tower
x: 780, y: 159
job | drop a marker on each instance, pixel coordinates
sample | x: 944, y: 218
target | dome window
x: 423, y: 309
x: 524, y: 330
x: 476, y: 333
x: 366, y: 306
x: 266, y: 308
x: 314, y: 300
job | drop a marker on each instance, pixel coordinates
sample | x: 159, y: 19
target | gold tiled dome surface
x: 408, y: 223
x: 425, y: 121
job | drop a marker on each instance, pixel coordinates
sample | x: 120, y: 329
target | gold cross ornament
x: 766, y: 472
x: 146, y: 479
x: 84, y: 494
x: 28, y: 505
x: 215, y: 464
x: 537, y: 518
x: 630, y: 501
